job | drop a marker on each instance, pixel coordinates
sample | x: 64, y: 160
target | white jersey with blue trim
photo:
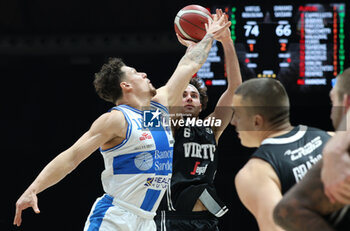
x: 138, y: 170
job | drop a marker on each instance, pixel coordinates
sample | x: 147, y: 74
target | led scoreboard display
x: 299, y: 44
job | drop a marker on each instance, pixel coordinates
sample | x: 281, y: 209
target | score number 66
x: 283, y: 30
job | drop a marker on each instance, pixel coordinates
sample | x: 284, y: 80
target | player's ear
x: 125, y: 86
x: 346, y: 101
x: 258, y: 121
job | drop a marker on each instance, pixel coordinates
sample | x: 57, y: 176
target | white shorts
x: 105, y: 216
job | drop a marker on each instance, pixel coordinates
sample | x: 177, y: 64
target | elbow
x: 71, y: 160
x: 71, y: 166
x: 233, y: 85
x: 279, y: 213
x: 284, y: 212
x: 237, y: 178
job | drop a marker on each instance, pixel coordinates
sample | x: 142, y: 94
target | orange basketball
x: 190, y: 22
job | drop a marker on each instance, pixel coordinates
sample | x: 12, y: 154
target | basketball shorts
x: 108, y: 216
x: 186, y: 221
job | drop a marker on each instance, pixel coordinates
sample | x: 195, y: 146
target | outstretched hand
x: 226, y: 34
x: 187, y: 43
x: 28, y: 199
x: 218, y: 26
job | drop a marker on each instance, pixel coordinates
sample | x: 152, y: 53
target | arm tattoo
x: 304, y: 206
x: 200, y: 52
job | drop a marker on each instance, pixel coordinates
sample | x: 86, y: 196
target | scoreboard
x: 301, y: 44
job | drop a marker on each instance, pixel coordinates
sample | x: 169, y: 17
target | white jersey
x: 138, y: 170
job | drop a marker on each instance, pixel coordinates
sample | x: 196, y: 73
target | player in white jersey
x: 136, y: 174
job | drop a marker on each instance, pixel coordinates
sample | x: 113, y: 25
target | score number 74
x: 281, y: 30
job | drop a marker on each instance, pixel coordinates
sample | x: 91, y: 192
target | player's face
x: 243, y: 120
x: 191, y: 101
x: 337, y: 109
x: 139, y: 81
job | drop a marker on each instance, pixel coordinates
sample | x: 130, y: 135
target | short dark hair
x: 268, y: 98
x: 107, y: 81
x: 202, y: 89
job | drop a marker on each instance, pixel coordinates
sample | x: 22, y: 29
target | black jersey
x: 340, y: 219
x: 293, y: 154
x: 195, y: 162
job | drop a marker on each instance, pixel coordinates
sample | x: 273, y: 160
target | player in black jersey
x: 191, y: 202
x: 315, y: 203
x: 284, y: 154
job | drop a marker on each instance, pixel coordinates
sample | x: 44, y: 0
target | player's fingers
x: 330, y: 196
x: 36, y: 208
x: 181, y: 40
x: 178, y: 37
x: 346, y: 185
x: 339, y: 192
x: 218, y: 12
x: 206, y: 26
x: 344, y: 190
x: 222, y: 18
x: 341, y: 197
x: 225, y: 15
x: 18, y: 216
x: 223, y: 28
x: 216, y: 18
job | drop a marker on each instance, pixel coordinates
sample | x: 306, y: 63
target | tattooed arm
x: 190, y: 64
x: 304, y: 205
x: 335, y: 172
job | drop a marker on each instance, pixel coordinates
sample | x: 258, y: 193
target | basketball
x: 190, y: 22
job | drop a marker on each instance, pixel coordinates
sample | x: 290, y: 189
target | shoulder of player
x: 257, y: 186
x: 267, y: 150
x: 314, y: 129
x: 110, y: 122
x: 255, y: 171
x: 325, y: 135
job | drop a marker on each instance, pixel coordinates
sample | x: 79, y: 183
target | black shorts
x: 186, y: 221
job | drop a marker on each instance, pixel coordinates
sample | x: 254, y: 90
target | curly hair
x: 107, y: 81
x: 202, y: 89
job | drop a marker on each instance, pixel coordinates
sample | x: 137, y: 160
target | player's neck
x: 278, y: 130
x: 136, y: 102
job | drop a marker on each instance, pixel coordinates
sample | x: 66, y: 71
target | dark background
x: 49, y: 52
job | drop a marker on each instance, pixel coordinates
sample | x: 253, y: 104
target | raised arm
x: 223, y: 109
x: 190, y: 63
x: 102, y: 130
x: 259, y: 190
